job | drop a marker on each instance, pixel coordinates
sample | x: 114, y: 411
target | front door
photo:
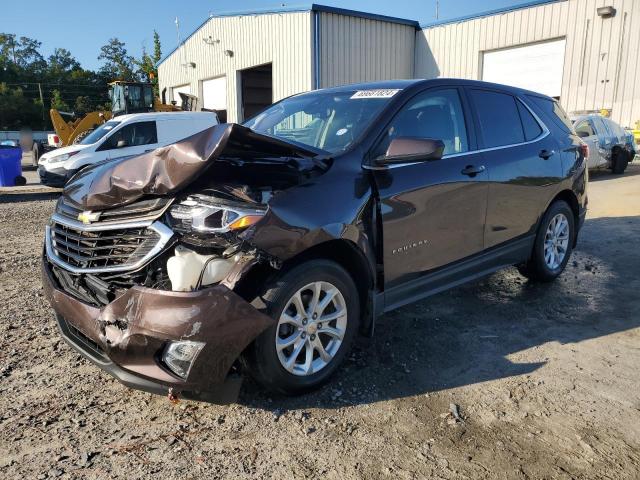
x: 433, y: 212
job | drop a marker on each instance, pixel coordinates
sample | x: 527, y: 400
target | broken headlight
x: 205, y: 214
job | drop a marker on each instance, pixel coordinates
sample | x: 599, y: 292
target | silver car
x: 610, y: 146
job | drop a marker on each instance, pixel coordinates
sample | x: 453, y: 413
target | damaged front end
x: 142, y: 257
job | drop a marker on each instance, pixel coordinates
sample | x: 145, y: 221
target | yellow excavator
x: 126, y: 97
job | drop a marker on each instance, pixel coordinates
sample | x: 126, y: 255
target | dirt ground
x: 546, y: 379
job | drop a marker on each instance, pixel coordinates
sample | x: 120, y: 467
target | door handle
x: 472, y: 170
x: 546, y: 154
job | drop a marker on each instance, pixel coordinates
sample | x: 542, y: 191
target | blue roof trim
x: 369, y: 16
x: 520, y: 6
x: 297, y: 8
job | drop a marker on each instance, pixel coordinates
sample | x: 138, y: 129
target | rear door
x: 523, y: 161
x: 132, y: 139
x: 432, y: 212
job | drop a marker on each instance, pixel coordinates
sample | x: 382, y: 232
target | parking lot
x: 544, y: 378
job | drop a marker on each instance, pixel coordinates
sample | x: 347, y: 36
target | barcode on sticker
x: 380, y: 93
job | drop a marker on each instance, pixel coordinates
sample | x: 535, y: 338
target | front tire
x: 317, y: 311
x: 553, y: 244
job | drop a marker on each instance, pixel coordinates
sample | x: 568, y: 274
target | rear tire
x: 553, y: 244
x: 289, y: 299
x: 620, y: 162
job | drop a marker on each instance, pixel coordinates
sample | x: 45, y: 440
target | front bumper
x: 126, y: 337
x: 57, y: 177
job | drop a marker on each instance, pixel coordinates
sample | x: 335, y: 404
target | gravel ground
x: 544, y: 380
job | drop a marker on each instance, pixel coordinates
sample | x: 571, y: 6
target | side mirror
x: 582, y: 134
x: 122, y: 144
x: 412, y: 149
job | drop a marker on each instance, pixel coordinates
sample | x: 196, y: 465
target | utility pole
x: 42, y: 102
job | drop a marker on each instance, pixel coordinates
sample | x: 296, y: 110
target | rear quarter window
x: 554, y: 111
x: 499, y: 118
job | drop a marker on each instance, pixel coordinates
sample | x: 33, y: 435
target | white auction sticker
x: 379, y: 93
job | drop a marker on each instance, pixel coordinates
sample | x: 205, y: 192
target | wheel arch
x: 570, y: 198
x: 343, y: 252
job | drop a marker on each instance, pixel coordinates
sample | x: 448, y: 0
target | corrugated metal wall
x: 354, y: 49
x: 281, y: 39
x: 600, y: 68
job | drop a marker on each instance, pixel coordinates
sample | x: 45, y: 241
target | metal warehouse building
x: 584, y: 52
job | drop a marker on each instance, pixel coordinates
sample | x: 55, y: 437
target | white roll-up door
x: 536, y: 67
x: 214, y: 93
x: 176, y: 91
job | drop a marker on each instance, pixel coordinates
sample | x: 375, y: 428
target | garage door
x: 178, y: 90
x: 536, y: 67
x: 214, y: 93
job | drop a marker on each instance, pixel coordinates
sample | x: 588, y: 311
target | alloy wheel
x: 556, y: 241
x: 311, y: 328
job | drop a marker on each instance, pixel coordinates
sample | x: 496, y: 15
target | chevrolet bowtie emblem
x: 88, y: 217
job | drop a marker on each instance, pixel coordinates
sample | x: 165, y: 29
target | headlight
x: 62, y: 158
x: 205, y: 214
x: 179, y: 356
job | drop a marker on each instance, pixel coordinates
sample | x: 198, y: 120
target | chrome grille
x: 104, y: 247
x: 86, y: 249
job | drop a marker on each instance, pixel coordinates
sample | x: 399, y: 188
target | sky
x: 83, y: 26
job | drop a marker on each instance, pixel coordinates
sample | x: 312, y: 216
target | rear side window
x: 554, y: 110
x: 530, y: 125
x: 499, y: 118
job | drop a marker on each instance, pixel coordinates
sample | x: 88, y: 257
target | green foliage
x: 118, y: 64
x: 26, y: 77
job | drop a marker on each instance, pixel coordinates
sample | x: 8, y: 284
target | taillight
x: 56, y: 139
x: 584, y: 148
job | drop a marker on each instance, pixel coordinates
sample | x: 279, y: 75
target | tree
x: 147, y: 64
x: 17, y: 111
x: 57, y: 102
x: 119, y: 65
x: 61, y: 64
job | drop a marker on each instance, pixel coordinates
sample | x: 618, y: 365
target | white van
x: 122, y: 136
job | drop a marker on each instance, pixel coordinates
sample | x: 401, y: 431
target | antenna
x: 184, y: 55
x: 437, y: 9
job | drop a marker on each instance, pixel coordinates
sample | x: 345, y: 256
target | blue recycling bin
x: 10, y: 165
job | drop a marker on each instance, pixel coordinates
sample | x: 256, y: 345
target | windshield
x: 329, y: 121
x: 99, y: 132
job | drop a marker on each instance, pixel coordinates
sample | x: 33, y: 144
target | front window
x: 330, y: 121
x: 99, y: 132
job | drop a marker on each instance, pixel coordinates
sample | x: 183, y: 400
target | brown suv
x: 267, y: 247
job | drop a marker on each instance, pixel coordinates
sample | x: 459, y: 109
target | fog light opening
x: 179, y: 356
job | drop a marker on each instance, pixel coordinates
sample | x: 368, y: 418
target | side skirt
x: 464, y: 271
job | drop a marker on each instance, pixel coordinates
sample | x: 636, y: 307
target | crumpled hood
x: 169, y: 169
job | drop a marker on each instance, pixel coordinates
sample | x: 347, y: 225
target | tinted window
x: 530, y: 125
x: 432, y: 114
x: 499, y: 118
x: 554, y: 110
x: 584, y: 129
x: 133, y: 135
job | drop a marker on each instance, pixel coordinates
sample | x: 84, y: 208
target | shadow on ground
x: 465, y: 336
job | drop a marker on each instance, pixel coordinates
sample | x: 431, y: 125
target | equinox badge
x: 409, y: 246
